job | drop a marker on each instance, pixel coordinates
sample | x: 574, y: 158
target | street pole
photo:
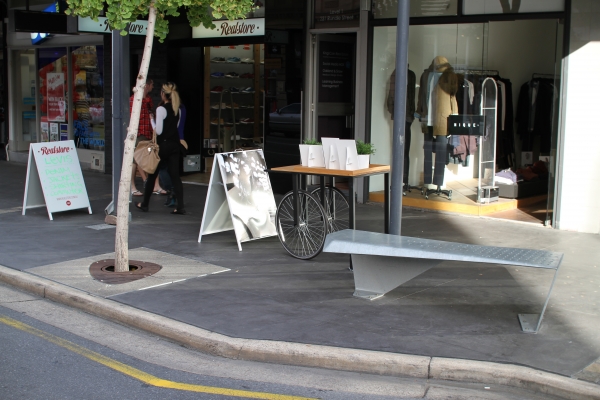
x: 399, y: 117
x: 120, y: 109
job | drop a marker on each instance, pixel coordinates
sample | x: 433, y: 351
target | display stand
x: 236, y: 70
x: 240, y: 197
x: 486, y: 190
x: 54, y: 178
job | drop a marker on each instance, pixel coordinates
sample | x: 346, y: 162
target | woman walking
x: 167, y: 120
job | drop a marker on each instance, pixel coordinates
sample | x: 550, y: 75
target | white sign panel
x: 139, y: 27
x: 330, y: 153
x: 226, y: 28
x: 347, y: 155
x: 54, y: 178
x: 240, y: 197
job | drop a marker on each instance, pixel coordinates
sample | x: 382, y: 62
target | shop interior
x: 251, y: 100
x: 517, y: 146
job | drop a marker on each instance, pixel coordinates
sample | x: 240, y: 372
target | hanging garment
x: 410, y: 95
x: 505, y: 136
x: 534, y: 113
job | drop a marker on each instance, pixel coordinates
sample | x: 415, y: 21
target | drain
x: 104, y: 271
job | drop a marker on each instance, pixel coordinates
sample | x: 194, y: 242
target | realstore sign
x: 87, y: 24
x: 225, y: 28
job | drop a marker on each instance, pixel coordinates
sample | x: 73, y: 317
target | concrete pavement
x: 456, y: 323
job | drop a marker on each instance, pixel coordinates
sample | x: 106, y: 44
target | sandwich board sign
x: 54, y: 178
x: 240, y: 197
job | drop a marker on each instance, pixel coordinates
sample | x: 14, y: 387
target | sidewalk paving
x: 460, y: 311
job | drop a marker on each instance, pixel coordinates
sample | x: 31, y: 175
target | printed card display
x: 45, y: 132
x: 54, y: 178
x: 315, y: 157
x: 240, y: 197
x: 53, y: 132
x: 347, y: 154
x: 330, y: 153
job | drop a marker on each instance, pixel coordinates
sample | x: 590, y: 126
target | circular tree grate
x: 104, y: 271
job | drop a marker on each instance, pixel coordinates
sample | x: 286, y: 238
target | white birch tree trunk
x: 122, y: 231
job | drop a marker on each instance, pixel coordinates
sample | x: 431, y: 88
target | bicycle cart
x: 304, y: 218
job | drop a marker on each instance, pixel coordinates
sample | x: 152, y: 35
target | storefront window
x: 472, y: 126
x: 88, y: 97
x: 52, y: 70
x: 418, y: 8
x: 471, y: 7
x: 462, y: 46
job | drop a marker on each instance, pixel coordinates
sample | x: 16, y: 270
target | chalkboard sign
x: 54, y: 178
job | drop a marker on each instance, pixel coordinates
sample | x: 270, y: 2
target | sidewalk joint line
x: 160, y: 284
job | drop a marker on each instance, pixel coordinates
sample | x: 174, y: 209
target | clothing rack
x: 549, y: 76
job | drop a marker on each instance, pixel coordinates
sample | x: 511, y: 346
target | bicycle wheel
x: 306, y: 239
x: 336, y: 208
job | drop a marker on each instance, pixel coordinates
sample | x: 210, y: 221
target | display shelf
x: 233, y: 106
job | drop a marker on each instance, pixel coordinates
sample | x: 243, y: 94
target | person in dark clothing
x: 411, y: 81
x: 166, y: 124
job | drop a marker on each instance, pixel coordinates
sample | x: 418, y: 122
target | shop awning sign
x: 139, y: 27
x: 233, y: 28
x: 54, y: 178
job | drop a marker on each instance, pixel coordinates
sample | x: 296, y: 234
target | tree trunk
x: 122, y: 232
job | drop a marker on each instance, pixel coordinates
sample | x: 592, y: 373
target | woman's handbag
x: 146, y: 155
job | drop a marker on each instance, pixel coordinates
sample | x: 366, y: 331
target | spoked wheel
x: 336, y: 208
x: 306, y: 239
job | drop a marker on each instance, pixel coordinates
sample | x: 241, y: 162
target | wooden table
x: 297, y: 171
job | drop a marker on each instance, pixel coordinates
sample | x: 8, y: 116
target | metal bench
x: 378, y: 271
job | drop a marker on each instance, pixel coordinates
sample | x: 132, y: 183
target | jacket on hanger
x: 444, y: 99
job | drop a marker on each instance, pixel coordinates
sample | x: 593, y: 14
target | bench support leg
x: 530, y: 323
x: 374, y: 276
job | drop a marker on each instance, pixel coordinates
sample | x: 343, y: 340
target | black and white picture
x: 249, y: 194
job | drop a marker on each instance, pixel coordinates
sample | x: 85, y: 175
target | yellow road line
x: 138, y: 374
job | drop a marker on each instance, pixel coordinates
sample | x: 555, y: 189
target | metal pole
x: 399, y: 117
x: 120, y: 108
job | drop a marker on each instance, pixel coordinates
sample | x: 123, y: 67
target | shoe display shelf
x: 233, y: 100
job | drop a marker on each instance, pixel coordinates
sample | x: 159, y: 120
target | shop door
x: 335, y: 78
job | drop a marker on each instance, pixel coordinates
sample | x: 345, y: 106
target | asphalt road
x: 48, y: 351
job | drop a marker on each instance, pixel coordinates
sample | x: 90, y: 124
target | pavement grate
x: 100, y: 227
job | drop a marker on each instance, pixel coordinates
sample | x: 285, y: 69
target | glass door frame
x: 335, y: 109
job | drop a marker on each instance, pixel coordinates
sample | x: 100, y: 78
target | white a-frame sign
x: 239, y: 197
x: 54, y: 178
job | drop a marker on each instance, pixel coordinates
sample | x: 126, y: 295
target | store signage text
x: 243, y: 27
x: 54, y: 150
x: 139, y: 27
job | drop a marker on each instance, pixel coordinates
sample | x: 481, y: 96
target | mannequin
x: 438, y: 101
x: 411, y: 82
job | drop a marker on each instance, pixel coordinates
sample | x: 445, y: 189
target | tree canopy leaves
x: 122, y: 12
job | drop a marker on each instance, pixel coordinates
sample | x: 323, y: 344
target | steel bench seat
x: 377, y: 269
